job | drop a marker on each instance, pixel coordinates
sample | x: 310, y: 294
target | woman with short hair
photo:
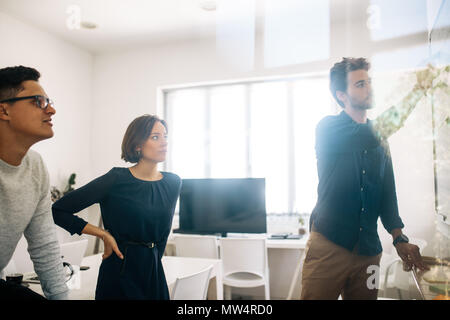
x: 137, y: 206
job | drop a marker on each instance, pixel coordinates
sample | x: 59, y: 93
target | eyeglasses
x: 40, y: 101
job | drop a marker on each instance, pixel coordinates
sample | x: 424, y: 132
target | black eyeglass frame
x: 36, y: 98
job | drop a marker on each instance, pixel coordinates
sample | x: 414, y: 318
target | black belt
x: 126, y: 244
x: 149, y: 245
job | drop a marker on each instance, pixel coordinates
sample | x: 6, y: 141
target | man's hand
x: 425, y: 78
x: 410, y: 254
x: 392, y: 119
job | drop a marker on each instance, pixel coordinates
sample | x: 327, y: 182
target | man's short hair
x: 137, y: 133
x: 11, y: 79
x: 338, y: 74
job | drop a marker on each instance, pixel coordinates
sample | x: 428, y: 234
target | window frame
x: 162, y: 111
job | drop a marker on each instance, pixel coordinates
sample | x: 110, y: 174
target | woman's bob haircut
x: 137, y: 133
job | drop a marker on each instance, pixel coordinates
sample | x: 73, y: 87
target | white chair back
x: 197, y: 246
x: 244, y: 255
x: 73, y: 252
x: 192, y: 287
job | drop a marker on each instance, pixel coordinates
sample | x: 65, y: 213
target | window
x: 251, y: 129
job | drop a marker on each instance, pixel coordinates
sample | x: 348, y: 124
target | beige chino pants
x: 330, y: 270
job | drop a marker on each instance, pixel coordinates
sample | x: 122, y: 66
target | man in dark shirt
x: 356, y: 186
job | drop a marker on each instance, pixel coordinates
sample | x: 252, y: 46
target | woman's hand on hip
x: 110, y: 245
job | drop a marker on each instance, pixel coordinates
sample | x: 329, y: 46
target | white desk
x: 297, y: 244
x: 271, y: 243
x: 291, y: 244
x: 88, y: 280
x: 287, y: 244
x: 174, y: 267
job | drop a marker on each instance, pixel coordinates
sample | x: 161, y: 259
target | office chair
x: 197, y: 246
x: 245, y: 264
x: 192, y: 287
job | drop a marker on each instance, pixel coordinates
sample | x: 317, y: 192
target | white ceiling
x: 127, y: 23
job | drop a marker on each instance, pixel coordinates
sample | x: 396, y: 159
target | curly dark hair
x: 338, y: 74
x: 11, y: 79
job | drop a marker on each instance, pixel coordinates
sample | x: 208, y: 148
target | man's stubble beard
x: 363, y: 106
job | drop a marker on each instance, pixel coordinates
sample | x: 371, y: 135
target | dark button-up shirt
x: 356, y: 185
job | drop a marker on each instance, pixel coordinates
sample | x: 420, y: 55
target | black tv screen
x: 211, y: 206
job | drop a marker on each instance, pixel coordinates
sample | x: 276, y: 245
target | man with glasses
x: 25, y: 207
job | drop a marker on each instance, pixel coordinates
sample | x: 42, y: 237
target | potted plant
x: 56, y: 194
x: 302, y: 228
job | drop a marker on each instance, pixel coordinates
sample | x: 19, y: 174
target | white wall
x: 66, y: 76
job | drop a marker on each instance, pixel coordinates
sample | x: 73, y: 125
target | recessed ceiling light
x: 88, y: 25
x: 208, y: 5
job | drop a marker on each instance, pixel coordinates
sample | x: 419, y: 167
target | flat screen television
x: 221, y: 206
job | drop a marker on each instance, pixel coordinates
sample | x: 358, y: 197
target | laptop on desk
x: 287, y: 236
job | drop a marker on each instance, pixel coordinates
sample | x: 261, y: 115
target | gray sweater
x: 25, y: 208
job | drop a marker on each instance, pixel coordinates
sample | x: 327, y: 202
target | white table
x: 88, y: 280
x: 295, y: 244
x: 299, y: 244
x: 174, y: 267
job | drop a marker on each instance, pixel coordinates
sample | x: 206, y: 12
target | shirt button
x: 364, y: 171
x: 362, y: 209
x: 360, y: 229
x: 365, y: 151
x: 362, y: 189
